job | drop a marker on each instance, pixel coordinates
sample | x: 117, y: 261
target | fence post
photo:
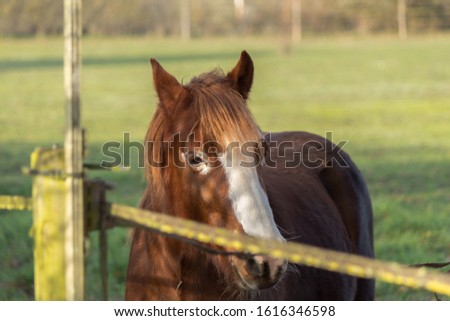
x: 73, y: 150
x: 296, y: 20
x: 49, y: 224
x: 401, y: 19
x: 239, y: 13
x: 185, y: 20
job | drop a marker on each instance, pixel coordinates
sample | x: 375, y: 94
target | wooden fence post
x: 73, y: 150
x: 401, y: 19
x: 49, y: 200
x: 58, y: 188
x: 239, y: 13
x: 185, y: 20
x: 296, y: 20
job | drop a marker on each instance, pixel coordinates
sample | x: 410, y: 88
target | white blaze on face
x: 250, y: 203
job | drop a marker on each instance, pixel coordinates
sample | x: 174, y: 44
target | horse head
x: 204, y: 164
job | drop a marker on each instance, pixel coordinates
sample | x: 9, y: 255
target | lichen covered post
x: 49, y: 199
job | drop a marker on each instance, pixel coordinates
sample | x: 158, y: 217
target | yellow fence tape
x: 8, y: 202
x: 294, y: 252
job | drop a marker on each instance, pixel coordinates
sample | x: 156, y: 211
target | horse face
x: 217, y: 179
x: 226, y: 190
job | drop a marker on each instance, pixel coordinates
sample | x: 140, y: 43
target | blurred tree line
x: 219, y: 17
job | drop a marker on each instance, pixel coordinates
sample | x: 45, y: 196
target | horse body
x: 322, y: 205
x: 311, y: 191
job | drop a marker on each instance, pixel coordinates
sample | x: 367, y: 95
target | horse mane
x: 221, y: 111
x: 217, y: 112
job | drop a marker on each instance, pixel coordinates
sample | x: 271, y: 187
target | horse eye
x: 195, y: 160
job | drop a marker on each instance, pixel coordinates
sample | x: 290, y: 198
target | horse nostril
x: 254, y: 267
x: 259, y: 272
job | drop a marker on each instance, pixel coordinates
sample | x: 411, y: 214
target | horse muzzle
x: 258, y: 272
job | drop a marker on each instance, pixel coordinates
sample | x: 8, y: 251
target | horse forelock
x: 221, y: 113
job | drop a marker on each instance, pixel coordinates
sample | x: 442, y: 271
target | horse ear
x: 166, y: 86
x: 241, y: 77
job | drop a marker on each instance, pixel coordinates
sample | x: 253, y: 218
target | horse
x: 208, y: 161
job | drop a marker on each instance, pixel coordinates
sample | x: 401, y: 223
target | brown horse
x: 207, y: 160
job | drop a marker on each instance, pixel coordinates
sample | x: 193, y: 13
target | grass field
x: 389, y: 99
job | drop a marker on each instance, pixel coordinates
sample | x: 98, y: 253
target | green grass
x: 389, y: 99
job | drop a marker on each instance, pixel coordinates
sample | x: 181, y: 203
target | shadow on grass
x: 46, y: 63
